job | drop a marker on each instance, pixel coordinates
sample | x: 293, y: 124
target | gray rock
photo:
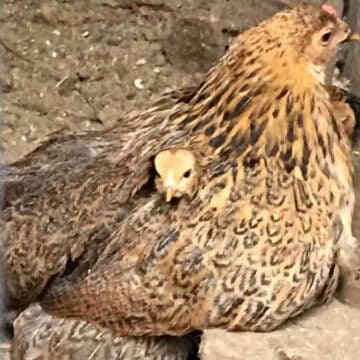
x: 352, y: 64
x: 330, y: 332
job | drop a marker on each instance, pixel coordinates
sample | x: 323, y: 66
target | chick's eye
x: 187, y: 174
x: 326, y: 37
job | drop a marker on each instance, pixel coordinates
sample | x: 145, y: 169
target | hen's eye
x: 187, y: 174
x: 326, y: 37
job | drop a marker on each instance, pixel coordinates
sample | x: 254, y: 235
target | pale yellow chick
x: 178, y: 173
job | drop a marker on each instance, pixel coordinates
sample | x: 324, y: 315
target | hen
x: 36, y: 332
x: 266, y: 233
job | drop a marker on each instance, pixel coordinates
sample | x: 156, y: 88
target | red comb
x: 330, y: 10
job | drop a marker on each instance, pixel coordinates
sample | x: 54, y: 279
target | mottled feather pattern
x: 268, y: 230
x: 342, y: 109
x: 39, y: 335
x: 90, y: 170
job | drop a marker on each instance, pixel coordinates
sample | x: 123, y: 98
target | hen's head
x: 317, y: 32
x: 304, y: 34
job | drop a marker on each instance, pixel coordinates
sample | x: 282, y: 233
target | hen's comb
x: 330, y: 10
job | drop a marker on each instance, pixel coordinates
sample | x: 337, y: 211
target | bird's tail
x: 354, y: 103
x: 4, y: 320
x: 108, y: 300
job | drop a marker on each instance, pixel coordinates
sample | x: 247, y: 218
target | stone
x: 329, y: 332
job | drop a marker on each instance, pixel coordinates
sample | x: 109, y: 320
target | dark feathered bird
x: 346, y: 109
x: 263, y: 238
x: 38, y: 335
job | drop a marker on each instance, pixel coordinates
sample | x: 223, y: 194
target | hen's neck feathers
x: 265, y: 97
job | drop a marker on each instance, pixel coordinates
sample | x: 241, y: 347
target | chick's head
x: 177, y: 172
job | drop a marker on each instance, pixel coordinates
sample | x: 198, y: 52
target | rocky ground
x: 81, y: 64
x: 330, y: 332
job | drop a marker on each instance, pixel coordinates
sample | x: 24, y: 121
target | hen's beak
x: 354, y: 36
x: 169, y: 194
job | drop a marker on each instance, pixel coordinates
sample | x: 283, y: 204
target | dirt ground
x: 81, y: 64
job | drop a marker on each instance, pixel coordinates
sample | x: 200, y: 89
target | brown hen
x: 37, y: 333
x: 267, y: 231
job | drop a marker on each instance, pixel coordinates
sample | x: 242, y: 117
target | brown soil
x: 81, y: 64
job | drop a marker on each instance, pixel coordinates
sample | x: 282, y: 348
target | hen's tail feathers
x: 354, y: 103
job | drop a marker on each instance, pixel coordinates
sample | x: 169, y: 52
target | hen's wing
x: 173, y: 268
x: 126, y: 291
x: 71, y: 192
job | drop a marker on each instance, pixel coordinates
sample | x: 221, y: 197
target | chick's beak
x: 169, y: 194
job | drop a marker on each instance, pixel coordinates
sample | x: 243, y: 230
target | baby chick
x: 178, y: 174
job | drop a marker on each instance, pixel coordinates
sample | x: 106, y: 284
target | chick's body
x: 259, y: 242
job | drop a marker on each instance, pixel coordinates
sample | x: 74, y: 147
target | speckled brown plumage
x: 342, y: 109
x: 49, y: 231
x: 64, y: 198
x: 41, y: 336
x: 268, y: 230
